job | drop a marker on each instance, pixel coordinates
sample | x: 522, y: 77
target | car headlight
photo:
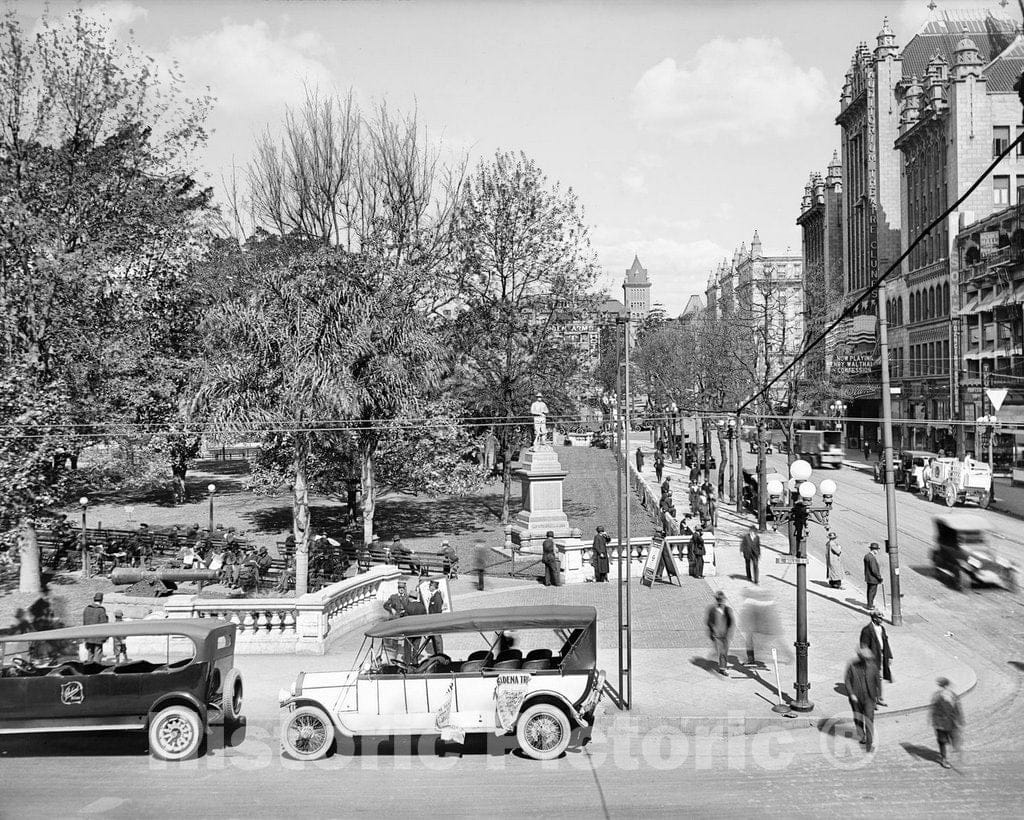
x: 283, y: 695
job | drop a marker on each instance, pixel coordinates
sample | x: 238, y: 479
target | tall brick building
x: 821, y: 224
x: 637, y: 291
x: 918, y: 125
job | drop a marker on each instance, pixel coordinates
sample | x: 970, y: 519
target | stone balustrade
x: 303, y: 625
x: 577, y: 556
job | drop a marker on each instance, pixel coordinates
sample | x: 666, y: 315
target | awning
x: 487, y: 620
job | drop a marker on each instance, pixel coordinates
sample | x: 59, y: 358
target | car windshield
x: 142, y: 652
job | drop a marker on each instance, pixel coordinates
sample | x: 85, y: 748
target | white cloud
x: 119, y: 14
x: 633, y: 181
x: 253, y: 72
x: 745, y: 90
x: 677, y: 268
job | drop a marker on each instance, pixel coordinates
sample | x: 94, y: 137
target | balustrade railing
x: 304, y: 624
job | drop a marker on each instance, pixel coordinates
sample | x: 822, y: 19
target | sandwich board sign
x: 659, y: 560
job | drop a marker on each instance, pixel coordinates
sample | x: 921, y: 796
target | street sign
x: 789, y: 559
x: 996, y: 395
x: 895, y: 391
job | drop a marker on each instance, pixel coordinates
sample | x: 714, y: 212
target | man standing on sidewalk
x: 872, y: 574
x: 639, y: 460
x: 874, y: 637
x: 863, y: 685
x: 750, y: 549
x: 720, y: 623
x: 552, y: 572
x: 659, y: 464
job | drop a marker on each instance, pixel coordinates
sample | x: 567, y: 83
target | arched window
x: 899, y: 310
x: 945, y: 299
x: 913, y: 312
x: 931, y: 303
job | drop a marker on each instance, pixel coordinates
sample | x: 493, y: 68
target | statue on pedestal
x: 539, y: 411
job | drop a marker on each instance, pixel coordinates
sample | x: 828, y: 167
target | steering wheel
x: 24, y: 666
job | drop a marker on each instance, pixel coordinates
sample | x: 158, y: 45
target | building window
x: 1000, y: 139
x: 1020, y: 145
x: 1001, y: 190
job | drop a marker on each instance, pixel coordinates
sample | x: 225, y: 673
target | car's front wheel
x: 307, y: 733
x: 950, y: 495
x: 175, y: 733
x: 543, y: 731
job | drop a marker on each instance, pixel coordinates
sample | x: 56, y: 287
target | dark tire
x: 985, y: 499
x: 543, y: 731
x: 957, y: 579
x: 231, y: 705
x: 175, y: 733
x: 307, y: 733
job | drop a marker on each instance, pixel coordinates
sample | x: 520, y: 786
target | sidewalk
x: 1009, y: 498
x: 674, y: 677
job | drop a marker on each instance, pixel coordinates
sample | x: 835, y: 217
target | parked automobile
x: 909, y: 469
x: 543, y: 691
x: 179, y: 678
x: 962, y: 552
x: 957, y: 482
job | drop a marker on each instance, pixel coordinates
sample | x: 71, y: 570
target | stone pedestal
x: 541, y: 478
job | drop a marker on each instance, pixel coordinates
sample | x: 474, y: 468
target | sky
x: 681, y: 126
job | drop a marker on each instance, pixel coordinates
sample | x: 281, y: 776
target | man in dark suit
x: 552, y: 570
x: 398, y: 603
x: 95, y: 613
x: 750, y: 549
x: 874, y: 637
x: 863, y: 685
x: 872, y: 574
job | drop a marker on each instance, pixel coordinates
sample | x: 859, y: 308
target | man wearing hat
x: 947, y: 719
x: 401, y: 552
x: 539, y: 411
x: 415, y: 605
x: 451, y: 559
x: 874, y: 637
x: 695, y: 554
x: 120, y: 647
x: 398, y: 603
x: 863, y: 685
x: 872, y: 574
x: 720, y: 622
x: 94, y: 613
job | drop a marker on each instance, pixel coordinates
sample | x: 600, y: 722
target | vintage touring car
x: 962, y: 551
x: 179, y: 678
x: 534, y: 675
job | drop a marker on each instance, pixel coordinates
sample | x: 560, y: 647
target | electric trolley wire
x: 877, y: 284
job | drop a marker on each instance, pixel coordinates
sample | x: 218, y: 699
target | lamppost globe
x: 774, y: 488
x: 827, y: 487
x: 83, y: 501
x: 807, y: 490
x: 212, y: 488
x: 800, y: 470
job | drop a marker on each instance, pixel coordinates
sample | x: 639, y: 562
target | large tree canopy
x: 97, y: 204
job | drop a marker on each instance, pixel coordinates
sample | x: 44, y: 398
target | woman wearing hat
x: 834, y: 561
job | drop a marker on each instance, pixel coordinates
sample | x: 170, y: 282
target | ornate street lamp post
x: 799, y: 514
x: 86, y: 566
x: 211, y: 489
x: 838, y: 409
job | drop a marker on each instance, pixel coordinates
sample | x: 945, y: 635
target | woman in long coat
x: 834, y: 561
x: 600, y: 555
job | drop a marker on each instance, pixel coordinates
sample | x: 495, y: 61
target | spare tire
x: 231, y: 703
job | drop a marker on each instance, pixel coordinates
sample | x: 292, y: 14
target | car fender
x: 551, y: 696
x: 178, y: 699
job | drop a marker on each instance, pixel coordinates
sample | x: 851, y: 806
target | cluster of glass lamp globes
x: 799, y: 484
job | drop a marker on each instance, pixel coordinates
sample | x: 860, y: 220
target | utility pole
x: 892, y: 545
x: 762, y: 473
x: 738, y: 458
x: 625, y: 507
